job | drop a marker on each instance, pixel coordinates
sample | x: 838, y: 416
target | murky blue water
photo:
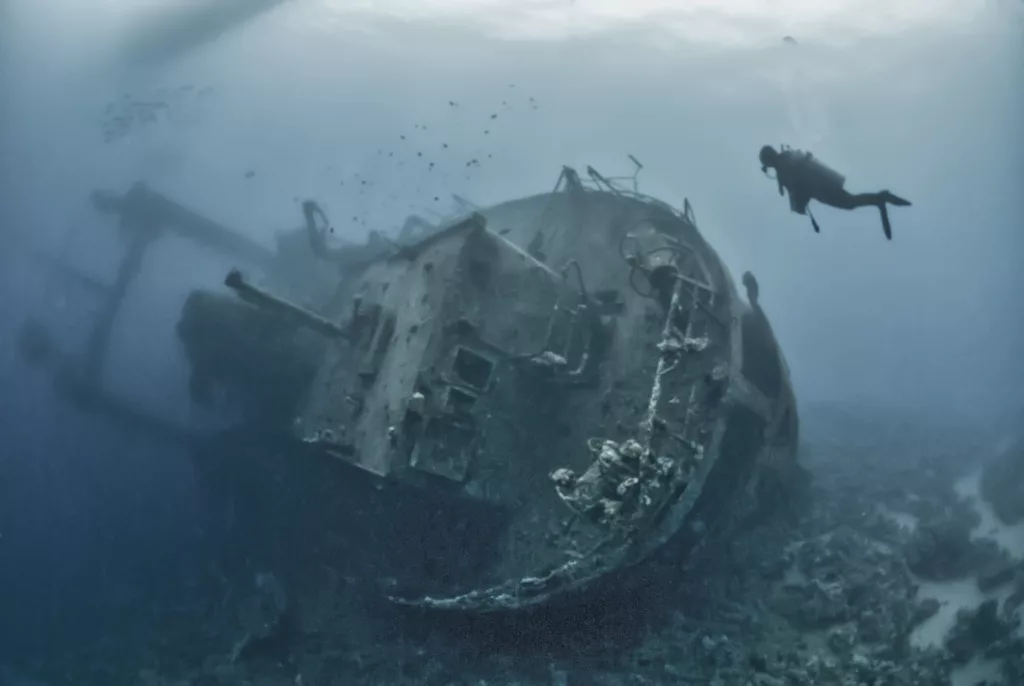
x: 377, y: 107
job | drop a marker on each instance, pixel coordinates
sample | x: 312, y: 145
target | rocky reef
x: 879, y: 575
x: 1002, y: 484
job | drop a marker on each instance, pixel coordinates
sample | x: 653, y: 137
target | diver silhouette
x: 807, y: 178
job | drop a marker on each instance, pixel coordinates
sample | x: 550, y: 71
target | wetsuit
x: 806, y: 178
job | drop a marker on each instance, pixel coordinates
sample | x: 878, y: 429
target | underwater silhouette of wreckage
x: 144, y: 216
x: 485, y: 376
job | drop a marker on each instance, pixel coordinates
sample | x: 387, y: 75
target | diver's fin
x: 886, y: 226
x: 895, y: 200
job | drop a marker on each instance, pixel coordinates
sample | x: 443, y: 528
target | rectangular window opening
x: 472, y: 369
x: 459, y: 401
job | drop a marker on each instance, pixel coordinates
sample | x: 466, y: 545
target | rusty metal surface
x: 578, y: 364
x: 629, y: 390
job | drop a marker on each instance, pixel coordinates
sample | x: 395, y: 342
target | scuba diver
x: 807, y: 178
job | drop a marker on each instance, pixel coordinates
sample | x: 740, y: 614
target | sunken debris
x: 592, y: 339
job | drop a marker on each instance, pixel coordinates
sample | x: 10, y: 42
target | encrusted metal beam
x: 300, y: 315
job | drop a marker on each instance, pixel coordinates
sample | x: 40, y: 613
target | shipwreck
x: 573, y: 373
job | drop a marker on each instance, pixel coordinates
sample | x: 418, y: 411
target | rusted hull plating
x: 705, y: 444
x: 580, y: 362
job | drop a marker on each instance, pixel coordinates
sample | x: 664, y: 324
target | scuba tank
x: 820, y: 180
x: 818, y: 177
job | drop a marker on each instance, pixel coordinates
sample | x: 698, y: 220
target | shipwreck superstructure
x: 576, y: 368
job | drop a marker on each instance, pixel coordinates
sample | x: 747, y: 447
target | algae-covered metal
x: 575, y: 366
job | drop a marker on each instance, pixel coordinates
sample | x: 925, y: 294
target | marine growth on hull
x: 571, y: 377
